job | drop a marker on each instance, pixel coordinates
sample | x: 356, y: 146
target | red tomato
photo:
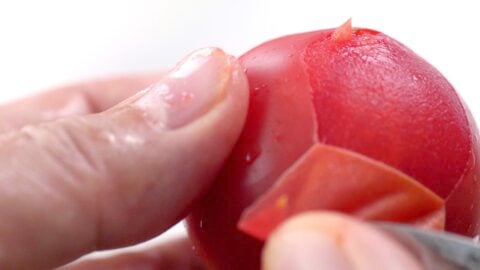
x: 355, y: 89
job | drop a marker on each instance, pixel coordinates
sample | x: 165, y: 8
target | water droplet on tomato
x: 249, y: 158
x: 252, y: 155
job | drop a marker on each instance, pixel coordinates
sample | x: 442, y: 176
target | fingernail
x: 305, y: 250
x: 190, y: 90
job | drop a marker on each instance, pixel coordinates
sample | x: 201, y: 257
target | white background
x: 49, y: 43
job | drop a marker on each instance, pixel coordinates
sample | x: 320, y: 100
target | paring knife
x: 437, y: 250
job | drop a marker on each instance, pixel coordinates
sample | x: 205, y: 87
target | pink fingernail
x: 191, y: 89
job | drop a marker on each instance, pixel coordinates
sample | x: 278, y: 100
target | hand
x: 78, y: 176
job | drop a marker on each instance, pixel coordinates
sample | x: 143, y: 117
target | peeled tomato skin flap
x: 355, y: 90
x: 335, y: 179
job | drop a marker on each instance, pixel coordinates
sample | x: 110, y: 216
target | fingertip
x: 188, y: 122
x: 323, y: 240
x: 201, y: 83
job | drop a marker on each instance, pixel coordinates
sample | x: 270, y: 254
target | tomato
x: 361, y: 101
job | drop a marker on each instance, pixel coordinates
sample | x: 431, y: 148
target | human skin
x: 72, y: 182
x: 99, y: 177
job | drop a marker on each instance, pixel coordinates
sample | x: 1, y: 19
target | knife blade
x: 437, y: 250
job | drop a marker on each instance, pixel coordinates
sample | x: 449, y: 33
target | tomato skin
x: 376, y: 97
x: 304, y: 91
x: 463, y: 204
x: 263, y: 152
x: 336, y: 179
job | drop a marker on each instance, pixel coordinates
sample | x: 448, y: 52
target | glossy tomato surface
x: 355, y: 89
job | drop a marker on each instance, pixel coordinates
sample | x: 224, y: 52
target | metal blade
x: 437, y: 250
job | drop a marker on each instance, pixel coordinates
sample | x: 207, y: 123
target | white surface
x: 48, y: 43
x: 51, y: 42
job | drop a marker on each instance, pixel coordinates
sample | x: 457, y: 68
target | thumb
x: 121, y: 176
x: 314, y: 241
